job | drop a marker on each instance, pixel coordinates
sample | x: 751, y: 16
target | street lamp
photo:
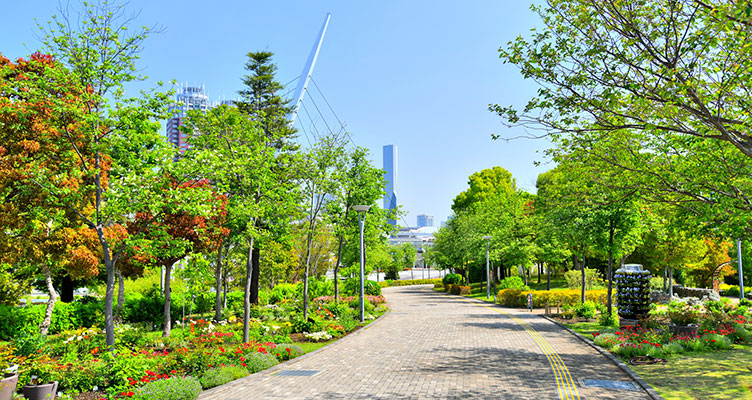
x: 362, y: 210
x: 488, y: 275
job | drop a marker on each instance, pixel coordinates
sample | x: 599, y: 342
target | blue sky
x: 417, y: 74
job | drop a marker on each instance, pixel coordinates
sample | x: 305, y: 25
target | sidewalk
x: 434, y: 345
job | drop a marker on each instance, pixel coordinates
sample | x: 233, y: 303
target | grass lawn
x: 708, y: 375
x: 705, y: 375
x: 311, y: 346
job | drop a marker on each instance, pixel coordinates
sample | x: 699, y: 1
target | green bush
x: 214, y: 377
x: 716, y: 342
x: 733, y: 291
x: 741, y: 334
x: 574, y: 279
x: 409, y: 282
x: 347, y: 320
x: 284, y: 292
x: 451, y: 279
x: 355, y: 305
x: 320, y: 288
x: 656, y: 283
x: 629, y: 350
x: 606, y: 340
x: 673, y: 348
x: 235, y: 303
x: 512, y: 282
x: 693, y: 345
x: 294, y: 351
x: 352, y: 287
x: 300, y: 324
x: 745, y: 302
x: 604, y: 319
x: 175, y: 388
x: 256, y: 361
x: 585, y: 310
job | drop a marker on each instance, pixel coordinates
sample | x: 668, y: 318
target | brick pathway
x: 434, y: 345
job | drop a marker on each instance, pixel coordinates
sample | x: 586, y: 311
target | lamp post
x: 488, y: 275
x: 362, y: 210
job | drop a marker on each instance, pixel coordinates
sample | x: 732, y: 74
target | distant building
x: 421, y: 238
x: 188, y: 98
x: 425, y: 220
x: 390, y: 175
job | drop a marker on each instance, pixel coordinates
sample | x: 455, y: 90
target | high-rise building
x: 188, y: 98
x: 390, y: 175
x: 425, y: 220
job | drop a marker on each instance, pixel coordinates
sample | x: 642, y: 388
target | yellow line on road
x: 564, y: 381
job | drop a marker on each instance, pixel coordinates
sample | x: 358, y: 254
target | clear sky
x: 416, y: 74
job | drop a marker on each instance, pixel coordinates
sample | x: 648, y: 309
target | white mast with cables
x: 308, y: 70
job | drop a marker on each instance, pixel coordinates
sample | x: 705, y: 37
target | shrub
x: 512, y: 282
x: 653, y: 350
x: 604, y: 319
x: 410, y: 282
x: 256, y: 361
x: 732, y: 291
x: 352, y: 286
x: 745, y: 302
x: 451, y: 279
x: 347, y: 320
x: 290, y: 351
x: 518, y: 298
x: 574, y: 278
x: 284, y: 292
x: 673, y: 348
x: 693, y: 345
x: 741, y: 334
x: 176, y: 388
x: 629, y: 350
x: 656, y: 283
x: 585, y: 310
x: 606, y: 340
x: 355, y: 305
x: 716, y: 342
x: 300, y: 324
x: 219, y: 376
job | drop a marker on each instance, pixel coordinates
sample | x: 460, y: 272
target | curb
x: 645, y: 386
x: 270, y: 371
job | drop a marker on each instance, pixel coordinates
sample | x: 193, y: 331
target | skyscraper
x: 189, y: 98
x: 390, y: 175
x: 425, y: 220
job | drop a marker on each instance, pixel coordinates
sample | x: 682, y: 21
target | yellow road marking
x: 564, y: 382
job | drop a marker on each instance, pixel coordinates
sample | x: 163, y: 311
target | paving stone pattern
x: 434, y: 345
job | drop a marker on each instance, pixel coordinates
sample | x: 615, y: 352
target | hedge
x: 518, y: 298
x: 409, y: 282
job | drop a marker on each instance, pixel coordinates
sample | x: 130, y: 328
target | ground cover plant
x: 212, y: 352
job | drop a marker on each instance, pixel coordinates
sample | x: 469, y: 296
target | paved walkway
x: 434, y: 345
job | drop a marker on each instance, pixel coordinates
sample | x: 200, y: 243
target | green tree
x: 651, y: 89
x: 248, y: 171
x: 123, y: 160
x: 360, y: 183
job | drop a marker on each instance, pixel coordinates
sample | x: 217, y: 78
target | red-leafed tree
x: 175, y: 234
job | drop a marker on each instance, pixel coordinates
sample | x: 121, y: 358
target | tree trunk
x: 45, y: 325
x: 255, y: 259
x: 671, y: 282
x: 305, y: 275
x: 540, y: 271
x: 548, y: 277
x: 109, y: 323
x: 583, y: 278
x: 336, y: 268
x: 66, y: 289
x: 665, y: 279
x: 218, y: 282
x: 167, y: 301
x: 610, y: 268
x: 121, y: 294
x: 247, y: 297
x: 224, y: 295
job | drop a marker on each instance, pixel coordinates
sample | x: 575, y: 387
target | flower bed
x: 719, y: 328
